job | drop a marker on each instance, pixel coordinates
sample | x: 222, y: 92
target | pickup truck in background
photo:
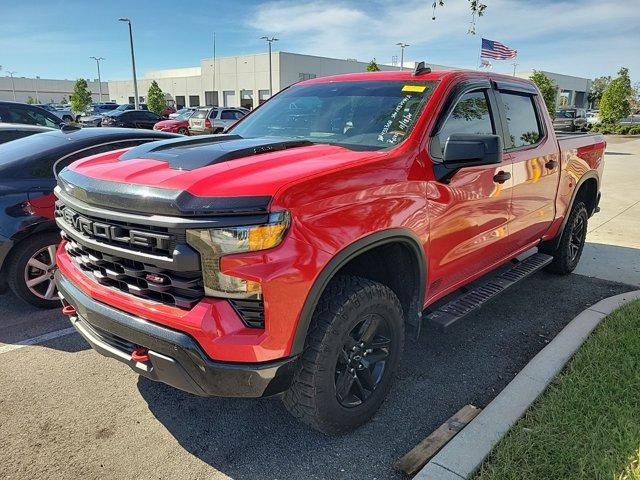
x: 289, y: 255
x: 570, y: 119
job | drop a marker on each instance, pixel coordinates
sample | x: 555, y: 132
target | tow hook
x: 68, y: 310
x: 140, y: 354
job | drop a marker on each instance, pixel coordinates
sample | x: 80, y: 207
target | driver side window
x: 470, y: 115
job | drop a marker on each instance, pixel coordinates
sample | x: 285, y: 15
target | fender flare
x: 591, y: 174
x: 347, y: 254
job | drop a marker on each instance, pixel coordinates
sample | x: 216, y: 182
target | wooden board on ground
x: 427, y: 448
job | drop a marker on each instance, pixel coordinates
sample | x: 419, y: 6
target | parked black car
x: 14, y: 112
x: 28, y: 233
x: 131, y: 119
x: 14, y: 131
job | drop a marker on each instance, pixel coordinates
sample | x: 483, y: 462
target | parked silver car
x: 214, y: 119
x: 63, y: 113
x: 93, y: 115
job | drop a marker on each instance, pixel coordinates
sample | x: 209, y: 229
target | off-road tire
x: 564, y: 260
x: 18, y: 261
x: 312, y: 396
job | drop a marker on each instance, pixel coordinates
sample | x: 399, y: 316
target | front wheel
x: 31, y: 268
x: 183, y: 131
x: 353, y: 348
x: 567, y: 254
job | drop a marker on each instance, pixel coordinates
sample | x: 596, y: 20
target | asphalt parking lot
x: 67, y: 412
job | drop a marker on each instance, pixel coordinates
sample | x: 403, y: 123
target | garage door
x: 229, y: 98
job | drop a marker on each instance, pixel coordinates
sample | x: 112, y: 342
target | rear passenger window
x: 522, y: 121
x: 470, y: 115
x: 227, y: 115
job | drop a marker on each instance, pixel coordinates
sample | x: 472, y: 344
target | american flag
x: 496, y: 50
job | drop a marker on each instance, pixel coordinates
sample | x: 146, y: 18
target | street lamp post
x: 37, y: 78
x: 270, y: 41
x: 13, y: 85
x: 136, y: 100
x: 97, y: 59
x: 402, y: 47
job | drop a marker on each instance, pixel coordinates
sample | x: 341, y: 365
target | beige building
x: 572, y: 91
x: 46, y: 90
x: 241, y: 80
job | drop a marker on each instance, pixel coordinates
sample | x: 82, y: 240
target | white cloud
x: 548, y: 35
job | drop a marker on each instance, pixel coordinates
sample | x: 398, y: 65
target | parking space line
x: 37, y: 340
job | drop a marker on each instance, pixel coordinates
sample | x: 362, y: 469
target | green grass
x: 586, y: 425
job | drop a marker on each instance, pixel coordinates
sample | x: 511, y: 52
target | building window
x: 263, y: 96
x: 194, y: 100
x: 306, y: 76
x: 211, y: 98
x: 180, y: 102
x: 246, y: 99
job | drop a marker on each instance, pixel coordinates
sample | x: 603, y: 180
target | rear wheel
x: 31, y: 269
x: 352, y: 351
x: 183, y: 131
x: 567, y: 254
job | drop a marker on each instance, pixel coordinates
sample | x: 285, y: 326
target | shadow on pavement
x: 440, y: 373
x: 20, y: 321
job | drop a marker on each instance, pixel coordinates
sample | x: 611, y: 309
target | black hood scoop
x: 197, y: 152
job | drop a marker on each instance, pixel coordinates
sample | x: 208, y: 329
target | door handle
x: 551, y: 164
x: 501, y: 177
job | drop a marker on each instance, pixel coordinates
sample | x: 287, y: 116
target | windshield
x: 124, y: 107
x: 566, y: 113
x: 183, y: 116
x: 367, y: 115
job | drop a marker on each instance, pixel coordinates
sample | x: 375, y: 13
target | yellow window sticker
x: 414, y: 88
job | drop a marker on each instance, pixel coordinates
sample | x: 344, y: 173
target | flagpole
x: 479, y: 53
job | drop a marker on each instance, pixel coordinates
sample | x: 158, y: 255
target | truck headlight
x: 213, y: 243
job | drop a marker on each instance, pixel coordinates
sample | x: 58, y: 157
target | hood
x: 219, y: 165
x: 171, y: 123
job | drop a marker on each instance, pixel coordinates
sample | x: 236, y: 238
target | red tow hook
x: 140, y: 354
x: 68, y: 310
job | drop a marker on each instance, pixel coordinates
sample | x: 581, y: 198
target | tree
x: 373, y: 66
x: 598, y: 87
x: 615, y: 101
x: 30, y: 100
x: 155, y: 98
x: 64, y: 101
x: 81, y: 96
x: 635, y: 98
x: 548, y: 89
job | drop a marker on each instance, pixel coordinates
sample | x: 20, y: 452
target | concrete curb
x: 461, y: 457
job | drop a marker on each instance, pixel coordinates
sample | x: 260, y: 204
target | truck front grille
x: 183, y: 289
x: 110, y: 232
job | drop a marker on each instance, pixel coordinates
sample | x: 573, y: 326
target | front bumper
x: 174, y: 357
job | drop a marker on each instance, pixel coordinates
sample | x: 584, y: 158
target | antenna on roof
x: 421, y: 69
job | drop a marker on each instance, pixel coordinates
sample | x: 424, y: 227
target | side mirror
x: 467, y: 150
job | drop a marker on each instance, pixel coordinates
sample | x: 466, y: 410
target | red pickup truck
x: 289, y: 255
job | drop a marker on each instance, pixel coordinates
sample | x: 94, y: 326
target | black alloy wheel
x: 362, y: 360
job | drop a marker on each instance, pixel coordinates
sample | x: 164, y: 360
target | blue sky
x: 54, y: 38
